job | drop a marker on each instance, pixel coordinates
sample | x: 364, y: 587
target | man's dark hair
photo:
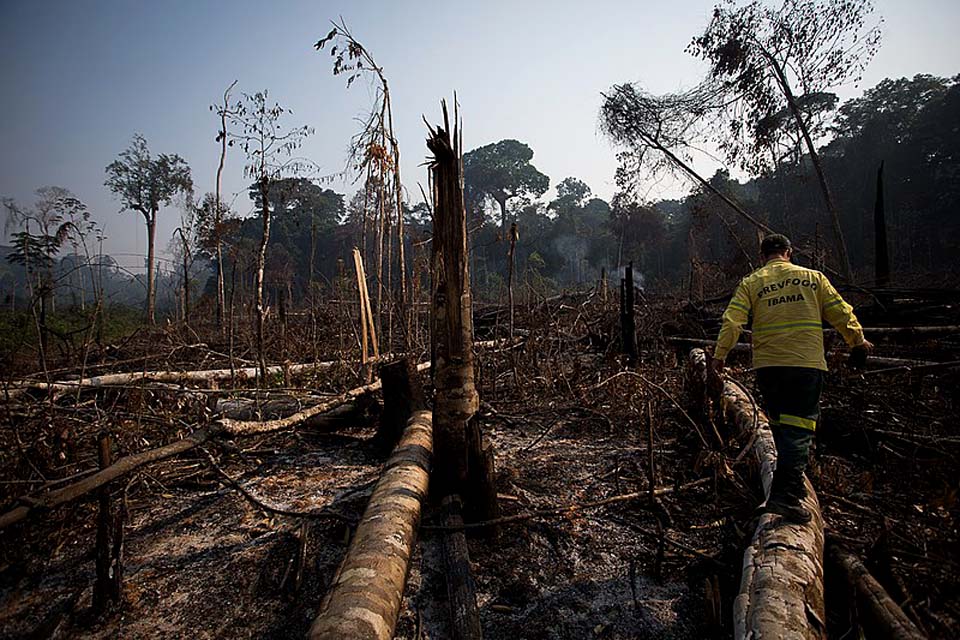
x: 774, y: 245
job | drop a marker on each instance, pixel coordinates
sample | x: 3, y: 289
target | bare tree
x: 374, y: 151
x: 224, y: 113
x: 144, y: 184
x: 269, y: 157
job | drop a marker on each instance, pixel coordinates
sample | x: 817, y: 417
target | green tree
x: 145, y: 184
x: 501, y: 171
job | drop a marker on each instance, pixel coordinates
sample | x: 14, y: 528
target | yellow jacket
x: 788, y: 304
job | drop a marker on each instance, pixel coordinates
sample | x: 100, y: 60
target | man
x: 787, y: 304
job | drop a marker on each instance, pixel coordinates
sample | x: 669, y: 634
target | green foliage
x: 144, y: 183
x: 501, y: 171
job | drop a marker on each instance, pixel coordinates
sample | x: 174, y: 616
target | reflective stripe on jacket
x: 788, y: 304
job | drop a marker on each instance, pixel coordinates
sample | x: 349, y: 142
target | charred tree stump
x: 882, y: 256
x: 781, y: 585
x: 456, y: 399
x: 877, y: 613
x: 107, y: 588
x: 402, y: 395
x: 628, y: 322
x: 464, y: 465
x: 364, y: 600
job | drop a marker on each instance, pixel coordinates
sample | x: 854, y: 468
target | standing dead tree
x: 269, y: 158
x: 464, y: 465
x: 374, y: 152
x: 223, y: 112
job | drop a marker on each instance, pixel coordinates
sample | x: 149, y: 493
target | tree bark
x: 261, y: 263
x: 402, y: 396
x: 882, y: 256
x: 461, y: 586
x: 364, y: 600
x: 877, y: 612
x: 151, y: 266
x: 781, y: 586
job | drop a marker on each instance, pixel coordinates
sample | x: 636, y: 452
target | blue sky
x: 79, y: 78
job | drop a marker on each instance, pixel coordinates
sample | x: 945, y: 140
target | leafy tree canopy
x: 501, y: 171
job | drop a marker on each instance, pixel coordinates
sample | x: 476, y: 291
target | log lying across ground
x: 781, y: 587
x: 132, y: 462
x: 365, y: 597
x: 877, y: 612
x: 177, y: 377
x: 744, y: 347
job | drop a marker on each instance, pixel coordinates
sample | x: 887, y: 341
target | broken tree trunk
x: 402, y: 395
x: 877, y: 612
x: 781, y: 586
x: 628, y: 321
x: 107, y: 587
x: 881, y: 254
x: 364, y: 600
x: 456, y: 399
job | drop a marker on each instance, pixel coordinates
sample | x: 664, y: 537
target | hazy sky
x: 79, y: 78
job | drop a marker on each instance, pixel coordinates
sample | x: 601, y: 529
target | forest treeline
x: 911, y: 126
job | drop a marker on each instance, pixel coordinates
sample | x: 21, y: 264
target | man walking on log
x: 787, y: 305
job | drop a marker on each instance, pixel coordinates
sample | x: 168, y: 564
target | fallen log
x: 781, y: 586
x: 365, y: 596
x: 877, y: 612
x: 744, y: 347
x: 125, y: 465
x: 461, y: 587
x: 250, y: 427
x: 177, y: 377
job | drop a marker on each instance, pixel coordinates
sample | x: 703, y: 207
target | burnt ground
x: 202, y: 560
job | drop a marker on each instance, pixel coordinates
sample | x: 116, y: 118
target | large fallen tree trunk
x: 877, y: 612
x: 364, y: 599
x: 132, y: 462
x: 781, y: 587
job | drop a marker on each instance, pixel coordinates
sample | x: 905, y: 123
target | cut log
x: 364, y: 600
x: 781, y: 586
x: 461, y: 587
x: 877, y: 612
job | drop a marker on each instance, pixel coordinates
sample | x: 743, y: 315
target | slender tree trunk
x: 151, y: 275
x: 815, y: 160
x: 511, y: 259
x: 218, y: 213
x: 261, y: 262
x: 398, y: 189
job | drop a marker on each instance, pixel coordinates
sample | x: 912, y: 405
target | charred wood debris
x: 576, y: 479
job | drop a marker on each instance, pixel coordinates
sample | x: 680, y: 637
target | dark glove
x: 858, y: 357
